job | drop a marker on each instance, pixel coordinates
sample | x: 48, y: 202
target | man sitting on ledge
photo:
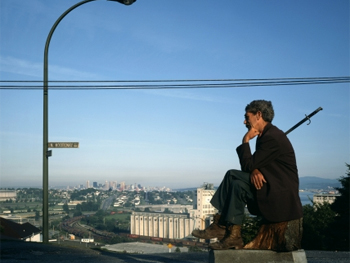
x: 268, y: 182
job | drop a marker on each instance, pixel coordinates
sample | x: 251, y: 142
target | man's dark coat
x: 278, y: 200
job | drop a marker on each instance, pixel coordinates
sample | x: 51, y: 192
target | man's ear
x: 258, y: 115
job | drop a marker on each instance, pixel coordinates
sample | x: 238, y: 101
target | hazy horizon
x: 77, y: 184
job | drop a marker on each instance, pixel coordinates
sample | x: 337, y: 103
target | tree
x: 194, y: 249
x: 316, y: 221
x: 167, y: 211
x: 87, y: 206
x: 128, y: 204
x: 77, y: 213
x: 250, y: 227
x: 326, y: 226
x: 66, y: 208
x: 37, y: 215
x: 339, y: 229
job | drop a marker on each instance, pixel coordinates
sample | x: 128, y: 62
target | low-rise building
x: 324, y: 198
x: 174, y: 221
x: 162, y: 225
x: 8, y: 195
x: 25, y: 232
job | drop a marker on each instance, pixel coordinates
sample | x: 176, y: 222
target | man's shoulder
x: 275, y: 134
x: 270, y: 128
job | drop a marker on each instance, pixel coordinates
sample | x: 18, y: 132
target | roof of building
x: 326, y: 194
x: 15, y: 230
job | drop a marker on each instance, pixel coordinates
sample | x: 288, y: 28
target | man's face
x: 250, y: 120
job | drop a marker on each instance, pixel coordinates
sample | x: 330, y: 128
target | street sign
x: 170, y: 246
x: 62, y: 145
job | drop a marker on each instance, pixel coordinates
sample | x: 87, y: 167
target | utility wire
x: 179, y: 80
x: 166, y: 84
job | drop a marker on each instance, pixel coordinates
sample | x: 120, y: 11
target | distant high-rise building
x: 203, y: 209
x: 88, y: 184
x: 122, y: 186
x: 94, y: 184
x: 113, y: 185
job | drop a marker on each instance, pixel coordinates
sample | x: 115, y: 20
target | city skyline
x: 314, y: 184
x: 169, y: 137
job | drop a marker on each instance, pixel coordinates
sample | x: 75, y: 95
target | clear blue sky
x: 176, y: 138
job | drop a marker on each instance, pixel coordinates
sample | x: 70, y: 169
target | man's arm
x: 256, y: 177
x: 267, y: 151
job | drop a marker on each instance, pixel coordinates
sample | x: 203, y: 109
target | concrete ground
x: 17, y: 251
x: 142, y: 248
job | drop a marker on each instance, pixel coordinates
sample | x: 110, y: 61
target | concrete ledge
x: 256, y: 256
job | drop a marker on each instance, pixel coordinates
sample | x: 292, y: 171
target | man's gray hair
x: 264, y: 106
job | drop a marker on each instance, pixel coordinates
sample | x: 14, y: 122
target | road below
x: 107, y: 203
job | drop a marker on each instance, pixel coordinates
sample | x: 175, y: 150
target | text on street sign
x: 63, y: 145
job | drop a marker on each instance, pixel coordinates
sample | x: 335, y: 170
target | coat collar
x: 266, y: 128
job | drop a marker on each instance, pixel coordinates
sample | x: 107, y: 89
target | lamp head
x: 124, y: 2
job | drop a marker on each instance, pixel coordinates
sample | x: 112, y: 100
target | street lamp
x: 125, y: 2
x: 46, y: 152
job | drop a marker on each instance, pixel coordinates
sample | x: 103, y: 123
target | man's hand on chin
x: 250, y: 135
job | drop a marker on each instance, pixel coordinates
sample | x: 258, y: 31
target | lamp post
x: 46, y: 152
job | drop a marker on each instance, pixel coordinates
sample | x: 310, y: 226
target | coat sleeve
x: 267, y: 150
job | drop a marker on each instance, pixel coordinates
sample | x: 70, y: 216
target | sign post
x: 170, y: 246
x: 46, y: 183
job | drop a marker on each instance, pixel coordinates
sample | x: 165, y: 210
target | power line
x: 186, y: 80
x: 166, y: 84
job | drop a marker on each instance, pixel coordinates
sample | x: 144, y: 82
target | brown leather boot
x: 232, y: 239
x: 213, y: 231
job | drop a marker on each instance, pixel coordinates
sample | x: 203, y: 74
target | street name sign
x: 63, y: 145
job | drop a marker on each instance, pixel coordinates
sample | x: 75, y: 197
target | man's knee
x: 234, y: 171
x: 238, y: 175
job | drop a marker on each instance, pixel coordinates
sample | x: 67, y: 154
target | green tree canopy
x: 339, y: 229
x: 317, y: 219
x: 326, y: 226
x: 65, y: 208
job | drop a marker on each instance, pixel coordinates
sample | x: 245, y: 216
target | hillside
x: 311, y: 182
x: 305, y: 183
